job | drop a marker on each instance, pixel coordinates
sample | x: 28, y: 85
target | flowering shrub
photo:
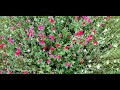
x: 54, y: 44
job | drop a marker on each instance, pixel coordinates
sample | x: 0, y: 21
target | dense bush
x: 55, y: 44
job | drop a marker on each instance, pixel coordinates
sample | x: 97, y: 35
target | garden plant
x: 59, y: 44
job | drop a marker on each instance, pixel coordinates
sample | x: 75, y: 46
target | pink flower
x: 28, y: 20
x: 26, y: 38
x: 85, y: 17
x: 0, y: 36
x: 31, y: 32
x: 10, y: 40
x: 44, y: 48
x: 31, y: 35
x: 17, y: 52
x: 58, y: 56
x: 94, y: 31
x: 38, y: 39
x: 74, y: 40
x: 53, y: 28
x: 83, y: 23
x: 60, y: 35
x: 76, y: 18
x: 66, y: 47
x: 4, y: 60
x: 32, y: 27
x: 43, y: 36
x: 26, y: 30
x: 2, y: 45
x: 79, y: 39
x: 85, y: 43
x: 95, y: 42
x: 51, y: 20
x: 109, y: 17
x: 22, y: 59
x: 110, y: 46
x: 67, y: 64
x: 102, y: 25
x: 88, y: 38
x: 89, y: 20
x: 10, y: 73
x: 40, y: 34
x: 4, y: 54
x: 20, y: 44
x: 51, y: 55
x: 52, y: 49
x: 68, y: 37
x: 71, y: 45
x: 80, y: 42
x: 39, y: 61
x: 80, y: 33
x: 7, y: 69
x: 25, y: 72
x: 18, y: 24
x: 40, y: 27
x: 105, y: 18
x: 42, y: 42
x: 12, y: 28
x: 48, y: 61
x: 3, y: 37
x: 1, y: 71
x: 55, y: 56
x: 20, y: 35
x: 57, y: 45
x: 52, y: 37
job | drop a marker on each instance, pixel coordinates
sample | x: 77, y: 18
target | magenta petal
x: 58, y: 57
x: 85, y: 43
x: 89, y: 21
x: 85, y: 17
x: 51, y: 55
x: 40, y: 34
x: 42, y: 42
x: 10, y: 40
x: 60, y: 35
x: 48, y: 61
x: 32, y: 27
x: 54, y: 56
x: 40, y: 27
